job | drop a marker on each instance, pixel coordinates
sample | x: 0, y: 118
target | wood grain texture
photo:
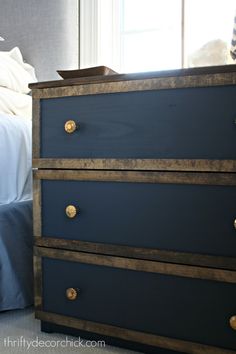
x: 158, y: 83
x: 137, y: 176
x: 139, y: 253
x: 139, y: 265
x: 137, y: 76
x: 94, y: 71
x: 36, y: 128
x: 37, y: 227
x: 138, y: 164
x: 37, y: 282
x: 130, y: 335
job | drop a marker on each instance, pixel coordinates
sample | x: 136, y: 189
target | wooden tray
x: 94, y: 71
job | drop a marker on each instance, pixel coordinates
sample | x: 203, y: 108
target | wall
x: 46, y: 31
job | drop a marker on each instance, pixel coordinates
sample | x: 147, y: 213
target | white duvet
x: 15, y: 74
x: 15, y: 103
x: 15, y: 159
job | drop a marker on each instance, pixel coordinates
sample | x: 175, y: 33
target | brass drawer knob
x: 232, y: 322
x: 71, y: 126
x: 71, y: 211
x: 71, y: 294
x: 235, y: 223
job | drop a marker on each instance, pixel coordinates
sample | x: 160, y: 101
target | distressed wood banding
x: 37, y: 282
x: 36, y: 129
x: 139, y: 265
x: 37, y: 219
x: 138, y: 176
x: 130, y: 335
x: 139, y: 253
x: 138, y: 164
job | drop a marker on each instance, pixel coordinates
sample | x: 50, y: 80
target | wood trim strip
x: 137, y: 76
x: 138, y: 85
x: 36, y: 128
x: 131, y: 335
x: 140, y: 265
x: 37, y: 282
x: 37, y: 207
x: 201, y: 165
x: 139, y: 253
x: 139, y: 176
x: 157, y: 83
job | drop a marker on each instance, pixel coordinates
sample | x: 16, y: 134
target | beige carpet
x: 20, y: 333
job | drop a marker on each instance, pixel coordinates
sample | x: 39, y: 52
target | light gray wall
x: 46, y: 31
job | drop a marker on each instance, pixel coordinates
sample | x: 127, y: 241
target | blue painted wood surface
x: 175, y: 123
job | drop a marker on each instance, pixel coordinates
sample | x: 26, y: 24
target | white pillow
x: 14, y: 73
x: 15, y: 103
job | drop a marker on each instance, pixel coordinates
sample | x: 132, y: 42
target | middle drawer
x: 181, y: 212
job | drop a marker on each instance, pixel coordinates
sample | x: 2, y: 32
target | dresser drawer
x: 193, y: 123
x: 189, y: 309
x: 168, y: 216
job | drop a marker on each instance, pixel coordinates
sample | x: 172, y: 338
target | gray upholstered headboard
x: 46, y: 31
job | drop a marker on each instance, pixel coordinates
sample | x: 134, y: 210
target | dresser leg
x: 46, y: 327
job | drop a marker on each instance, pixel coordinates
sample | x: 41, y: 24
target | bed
x: 47, y: 50
x: 16, y: 234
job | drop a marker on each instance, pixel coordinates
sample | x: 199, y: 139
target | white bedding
x: 15, y: 74
x: 15, y: 103
x: 15, y: 159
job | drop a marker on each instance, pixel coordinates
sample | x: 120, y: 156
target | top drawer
x: 187, y: 123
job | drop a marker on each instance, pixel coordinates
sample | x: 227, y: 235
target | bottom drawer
x: 190, y: 309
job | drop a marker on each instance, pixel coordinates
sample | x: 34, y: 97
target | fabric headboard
x: 46, y: 32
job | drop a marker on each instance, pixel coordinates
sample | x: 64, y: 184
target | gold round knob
x: 232, y: 322
x: 71, y: 211
x: 71, y: 294
x: 70, y: 126
x: 235, y: 223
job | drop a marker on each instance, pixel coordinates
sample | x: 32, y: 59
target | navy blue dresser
x: 135, y: 209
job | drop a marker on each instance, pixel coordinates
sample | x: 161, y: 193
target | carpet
x: 20, y: 333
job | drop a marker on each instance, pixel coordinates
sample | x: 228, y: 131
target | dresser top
x: 200, y: 71
x: 159, y: 80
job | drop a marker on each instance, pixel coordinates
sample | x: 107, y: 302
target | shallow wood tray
x: 94, y: 71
